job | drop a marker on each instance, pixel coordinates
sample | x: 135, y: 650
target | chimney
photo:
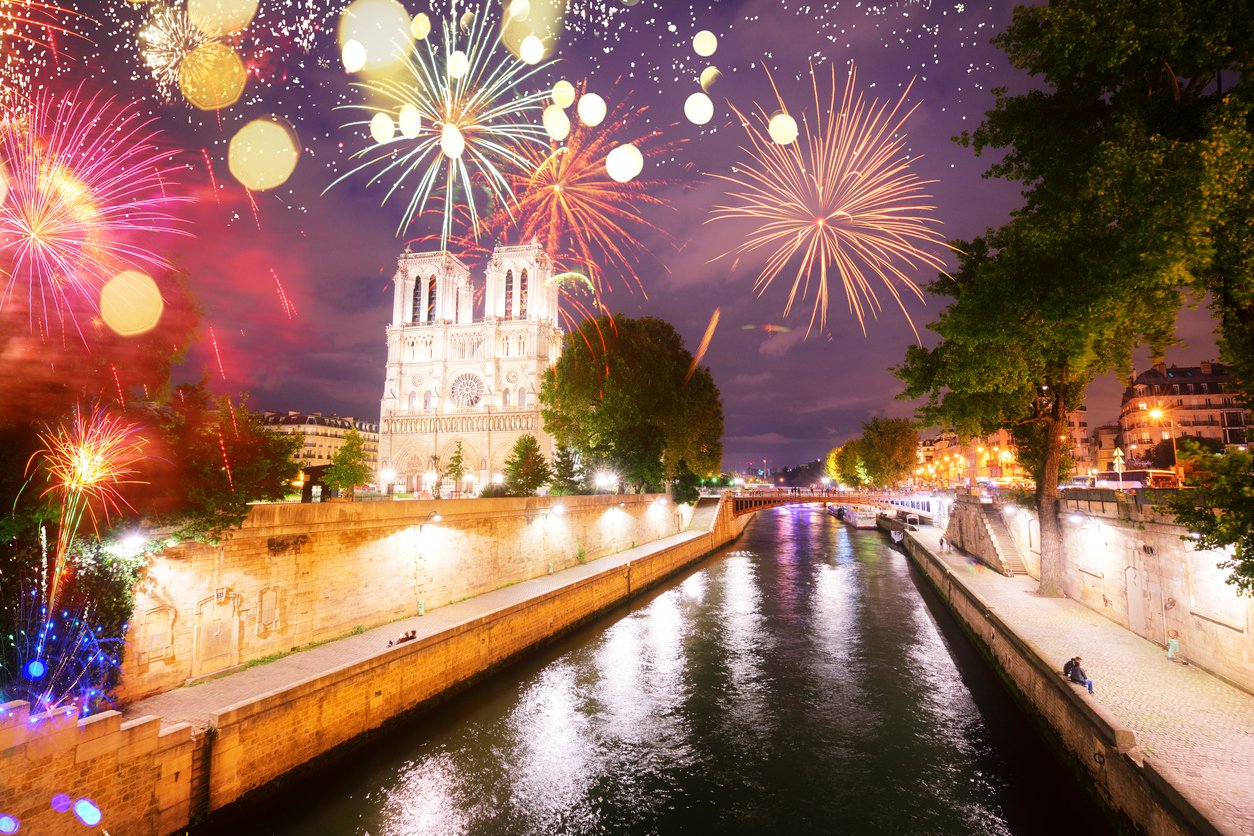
x: 1208, y: 367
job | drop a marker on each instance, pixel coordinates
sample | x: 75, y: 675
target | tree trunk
x: 1048, y: 501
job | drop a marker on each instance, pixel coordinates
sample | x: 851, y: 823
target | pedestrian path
x: 1195, y: 724
x: 194, y: 703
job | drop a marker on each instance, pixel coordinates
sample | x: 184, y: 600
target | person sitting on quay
x: 1079, y: 676
x: 407, y: 636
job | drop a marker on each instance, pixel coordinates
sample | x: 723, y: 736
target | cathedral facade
x: 458, y: 372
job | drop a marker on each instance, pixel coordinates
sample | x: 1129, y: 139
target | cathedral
x: 455, y: 374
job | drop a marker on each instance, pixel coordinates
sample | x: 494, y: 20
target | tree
x: 348, y: 467
x: 619, y: 396
x: 684, y: 488
x: 850, y: 466
x: 831, y: 465
x: 525, y: 468
x: 1221, y: 514
x: 456, y: 467
x: 567, y: 479
x: 890, y: 447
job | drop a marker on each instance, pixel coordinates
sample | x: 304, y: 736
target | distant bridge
x: 747, y: 502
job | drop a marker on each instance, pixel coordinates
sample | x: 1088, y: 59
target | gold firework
x: 839, y: 198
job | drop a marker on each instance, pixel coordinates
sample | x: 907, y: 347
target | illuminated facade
x: 323, y: 434
x: 456, y: 374
x: 1181, y: 401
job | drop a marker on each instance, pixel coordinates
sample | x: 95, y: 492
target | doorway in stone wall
x: 1136, y: 600
x: 217, y: 633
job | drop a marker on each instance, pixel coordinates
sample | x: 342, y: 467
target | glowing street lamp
x: 1158, y: 415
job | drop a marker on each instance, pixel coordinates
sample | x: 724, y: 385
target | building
x: 323, y: 434
x: 1165, y: 402
x: 456, y: 373
x: 945, y: 461
x: 1078, y: 441
x: 1102, y: 446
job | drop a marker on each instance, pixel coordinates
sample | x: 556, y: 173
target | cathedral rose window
x: 467, y: 390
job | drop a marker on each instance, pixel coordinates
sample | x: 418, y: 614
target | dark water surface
x: 803, y: 680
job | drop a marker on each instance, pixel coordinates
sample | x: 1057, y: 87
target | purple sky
x: 787, y: 399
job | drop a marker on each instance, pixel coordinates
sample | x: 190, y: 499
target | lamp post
x: 1157, y: 414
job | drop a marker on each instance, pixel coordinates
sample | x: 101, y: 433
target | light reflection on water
x: 796, y: 683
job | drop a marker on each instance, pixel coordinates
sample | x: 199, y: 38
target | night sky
x: 295, y: 294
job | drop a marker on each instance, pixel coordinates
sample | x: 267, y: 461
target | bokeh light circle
x: 531, y: 50
x: 591, y: 109
x: 219, y: 18
x: 353, y: 55
x: 466, y: 19
x: 704, y: 43
x: 88, y: 813
x: 452, y: 143
x: 263, y: 153
x: 458, y: 64
x: 61, y: 802
x: 382, y: 128
x: 420, y: 26
x: 710, y: 76
x: 519, y: 9
x: 699, y: 109
x: 782, y: 128
x: 563, y: 94
x: 130, y: 303
x: 410, y: 121
x: 212, y: 76
x: 556, y: 123
x: 9, y: 824
x: 382, y: 27
x: 624, y: 162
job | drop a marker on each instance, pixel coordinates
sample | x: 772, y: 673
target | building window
x: 158, y: 635
x: 427, y: 399
x: 431, y: 299
x: 413, y: 401
x: 416, y: 306
x: 1142, y: 405
x: 522, y: 294
x: 509, y: 294
x: 505, y: 398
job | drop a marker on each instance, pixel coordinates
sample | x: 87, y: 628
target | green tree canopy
x: 456, y: 468
x: 851, y: 468
x: 567, y: 476
x: 1222, y: 513
x: 525, y: 468
x: 890, y: 447
x: 684, y: 487
x: 348, y: 467
x: 618, y: 396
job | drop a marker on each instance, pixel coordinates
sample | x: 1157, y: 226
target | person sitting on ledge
x: 1079, y: 676
x: 1068, y: 666
x: 407, y: 636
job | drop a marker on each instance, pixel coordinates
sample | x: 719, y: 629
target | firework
x: 584, y: 218
x: 88, y: 185
x: 28, y: 35
x: 86, y: 462
x: 166, y: 39
x: 456, y: 133
x: 703, y: 347
x: 839, y: 198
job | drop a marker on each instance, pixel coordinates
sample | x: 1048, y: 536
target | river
x: 803, y: 680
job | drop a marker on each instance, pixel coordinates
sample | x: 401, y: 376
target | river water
x: 803, y: 680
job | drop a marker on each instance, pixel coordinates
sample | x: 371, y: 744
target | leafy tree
x: 851, y: 468
x: 1222, y: 513
x: 567, y: 479
x: 348, y: 467
x: 831, y: 466
x: 525, y: 468
x: 684, y: 488
x: 438, y: 470
x: 456, y: 467
x: 618, y: 396
x: 890, y: 447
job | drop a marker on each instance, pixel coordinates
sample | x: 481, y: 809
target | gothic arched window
x: 413, y: 401
x: 416, y: 308
x: 509, y: 294
x: 505, y: 398
x: 522, y: 294
x: 431, y: 298
x: 522, y: 397
x: 427, y: 399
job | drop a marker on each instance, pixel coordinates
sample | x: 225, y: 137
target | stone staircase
x: 703, y: 514
x: 1007, y: 551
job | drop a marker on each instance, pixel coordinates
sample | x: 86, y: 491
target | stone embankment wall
x: 152, y: 780
x: 1130, y: 562
x: 1128, y: 779
x: 138, y: 774
x: 294, y: 574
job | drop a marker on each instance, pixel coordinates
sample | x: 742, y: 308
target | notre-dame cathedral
x: 455, y: 374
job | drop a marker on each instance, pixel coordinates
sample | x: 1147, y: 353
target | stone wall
x: 1127, y: 778
x: 295, y: 574
x: 137, y: 774
x: 1129, y: 562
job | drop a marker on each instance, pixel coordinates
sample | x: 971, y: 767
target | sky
x: 293, y: 283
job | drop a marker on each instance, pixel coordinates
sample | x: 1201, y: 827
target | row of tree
x: 1136, y: 158
x: 884, y: 455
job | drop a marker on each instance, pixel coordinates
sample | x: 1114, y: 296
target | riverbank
x: 1167, y: 745
x: 177, y: 756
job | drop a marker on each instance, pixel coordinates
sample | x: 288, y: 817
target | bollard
x: 422, y: 607
x: 1173, y: 648
x: 550, y: 567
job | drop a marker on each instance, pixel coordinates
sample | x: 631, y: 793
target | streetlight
x: 1157, y: 414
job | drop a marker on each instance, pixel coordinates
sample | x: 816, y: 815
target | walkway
x: 1196, y: 725
x: 194, y: 703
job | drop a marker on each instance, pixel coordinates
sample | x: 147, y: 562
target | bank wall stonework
x: 295, y: 574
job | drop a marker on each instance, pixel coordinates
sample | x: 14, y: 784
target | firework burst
x: 838, y: 199
x: 585, y: 219
x: 166, y: 39
x: 456, y: 134
x: 88, y: 185
x: 28, y: 37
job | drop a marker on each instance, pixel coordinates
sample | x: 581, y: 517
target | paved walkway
x: 1196, y: 725
x: 193, y: 704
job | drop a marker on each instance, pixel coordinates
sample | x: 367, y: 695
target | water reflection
x: 796, y: 683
